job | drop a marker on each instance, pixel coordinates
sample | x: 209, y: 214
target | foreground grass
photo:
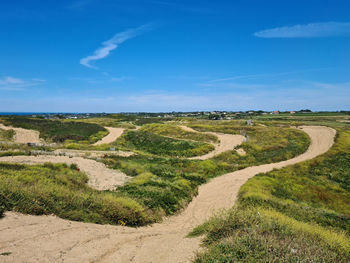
x: 59, y: 131
x: 300, y: 213
x: 63, y: 191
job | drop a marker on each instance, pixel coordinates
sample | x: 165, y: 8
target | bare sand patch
x: 241, y: 152
x: 23, y: 135
x: 114, y: 134
x: 227, y: 142
x: 51, y: 239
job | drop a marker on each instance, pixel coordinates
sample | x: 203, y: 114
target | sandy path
x: 227, y: 143
x: 100, y: 177
x: 51, y: 239
x: 23, y: 135
x: 114, y: 133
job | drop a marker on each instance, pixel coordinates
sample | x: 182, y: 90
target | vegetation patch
x: 160, y: 145
x: 59, y: 131
x: 162, y: 184
x: 300, y: 213
x: 175, y: 131
x: 6, y: 135
x: 63, y: 191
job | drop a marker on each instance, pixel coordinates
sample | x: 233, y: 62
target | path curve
x: 100, y: 177
x: 23, y: 135
x: 227, y: 142
x: 51, y: 239
x: 114, y: 133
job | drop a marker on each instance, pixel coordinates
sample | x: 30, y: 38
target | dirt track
x: 23, y: 135
x: 51, y: 239
x: 227, y: 143
x: 114, y: 133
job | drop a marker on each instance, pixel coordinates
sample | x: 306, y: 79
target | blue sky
x: 162, y: 55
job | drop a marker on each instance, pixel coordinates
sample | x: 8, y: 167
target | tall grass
x: 62, y: 190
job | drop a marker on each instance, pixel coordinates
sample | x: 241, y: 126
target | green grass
x: 265, y: 144
x: 160, y: 145
x: 175, y: 131
x: 59, y: 131
x: 300, y: 213
x: 106, y: 122
x: 6, y: 135
x: 62, y: 190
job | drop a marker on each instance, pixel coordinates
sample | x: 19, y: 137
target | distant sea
x: 28, y: 113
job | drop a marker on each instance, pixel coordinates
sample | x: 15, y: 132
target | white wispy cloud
x: 15, y: 84
x: 327, y: 29
x: 113, y: 43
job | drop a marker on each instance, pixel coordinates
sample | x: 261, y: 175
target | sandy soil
x: 23, y: 135
x: 241, y: 152
x: 114, y: 133
x: 50, y: 239
x: 227, y: 143
x: 100, y: 177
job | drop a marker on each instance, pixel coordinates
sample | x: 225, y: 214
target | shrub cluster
x: 59, y: 131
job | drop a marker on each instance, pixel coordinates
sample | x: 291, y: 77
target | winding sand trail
x: 51, y: 239
x: 23, y: 135
x: 114, y: 133
x: 227, y: 143
x: 100, y: 177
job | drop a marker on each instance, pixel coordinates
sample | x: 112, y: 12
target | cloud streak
x: 14, y: 84
x: 113, y: 43
x: 313, y: 30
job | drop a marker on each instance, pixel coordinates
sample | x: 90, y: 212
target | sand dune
x: 51, y: 239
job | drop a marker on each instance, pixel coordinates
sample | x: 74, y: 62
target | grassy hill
x: 59, y: 131
x: 297, y: 214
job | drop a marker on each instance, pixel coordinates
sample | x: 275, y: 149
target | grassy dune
x: 299, y: 214
x: 59, y: 131
x: 161, y: 185
x: 177, y: 132
x: 160, y: 145
x: 62, y: 190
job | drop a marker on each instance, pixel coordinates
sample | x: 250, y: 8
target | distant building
x: 292, y: 112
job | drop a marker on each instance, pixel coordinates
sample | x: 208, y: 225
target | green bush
x: 177, y: 132
x: 156, y: 144
x: 59, y: 131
